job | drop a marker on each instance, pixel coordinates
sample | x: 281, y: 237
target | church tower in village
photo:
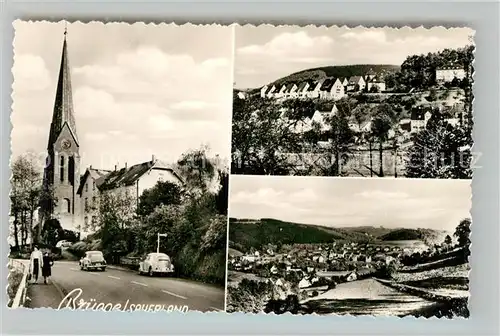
x: 62, y: 171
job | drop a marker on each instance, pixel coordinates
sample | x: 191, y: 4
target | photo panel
x: 353, y: 246
x: 120, y: 166
x: 353, y: 102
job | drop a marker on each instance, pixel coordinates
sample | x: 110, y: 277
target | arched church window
x: 62, y: 169
x: 71, y: 170
x: 67, y: 205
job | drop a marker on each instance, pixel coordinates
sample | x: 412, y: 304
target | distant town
x: 316, y: 271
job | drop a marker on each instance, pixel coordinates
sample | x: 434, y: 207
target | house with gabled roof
x: 370, y: 75
x: 419, y: 118
x: 332, y: 88
x: 376, y: 82
x: 280, y: 93
x: 263, y: 91
x: 271, y: 90
x: 314, y: 89
x: 290, y: 91
x: 132, y: 180
x: 303, y: 89
x: 345, y: 82
x: 356, y: 83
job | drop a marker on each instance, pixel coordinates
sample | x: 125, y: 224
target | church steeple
x: 63, y: 105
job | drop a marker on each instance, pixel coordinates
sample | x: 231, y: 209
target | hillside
x: 337, y: 71
x: 245, y: 234
x: 411, y: 234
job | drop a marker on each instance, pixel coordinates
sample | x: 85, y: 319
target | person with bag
x: 47, y: 264
x: 35, y: 263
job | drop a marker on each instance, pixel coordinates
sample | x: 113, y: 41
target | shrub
x: 14, y: 280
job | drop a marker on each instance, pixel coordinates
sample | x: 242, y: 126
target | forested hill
x: 245, y: 234
x: 337, y: 71
x: 411, y: 234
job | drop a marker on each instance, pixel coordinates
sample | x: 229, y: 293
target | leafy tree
x: 447, y: 240
x: 340, y: 136
x: 222, y: 197
x: 116, y: 216
x: 26, y: 193
x: 462, y: 232
x: 440, y: 151
x: 383, y: 120
x: 163, y: 193
x: 263, y: 135
x: 198, y: 171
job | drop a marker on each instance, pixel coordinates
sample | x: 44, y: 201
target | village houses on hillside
x: 330, y: 88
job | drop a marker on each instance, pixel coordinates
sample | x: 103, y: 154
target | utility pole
x: 158, y: 243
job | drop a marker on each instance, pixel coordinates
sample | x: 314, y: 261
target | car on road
x: 156, y: 263
x: 93, y: 260
x: 63, y: 244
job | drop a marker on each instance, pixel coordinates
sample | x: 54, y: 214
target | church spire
x: 63, y: 105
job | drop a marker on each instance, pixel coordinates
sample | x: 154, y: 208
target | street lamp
x: 158, y: 246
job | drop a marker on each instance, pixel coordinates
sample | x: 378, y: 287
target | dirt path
x: 366, y: 297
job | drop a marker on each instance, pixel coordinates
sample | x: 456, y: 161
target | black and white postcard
x: 120, y: 163
x: 355, y: 102
x: 334, y: 246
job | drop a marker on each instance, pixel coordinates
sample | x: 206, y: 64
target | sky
x: 138, y: 90
x: 348, y: 202
x: 266, y: 53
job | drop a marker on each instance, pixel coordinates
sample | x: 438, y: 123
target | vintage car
x: 63, y: 244
x: 156, y: 263
x: 93, y: 260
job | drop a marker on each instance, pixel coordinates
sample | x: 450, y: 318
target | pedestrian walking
x: 47, y: 264
x: 36, y: 260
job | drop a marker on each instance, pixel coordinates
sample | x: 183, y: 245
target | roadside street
x: 117, y: 286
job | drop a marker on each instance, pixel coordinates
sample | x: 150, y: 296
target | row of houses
x: 326, y: 88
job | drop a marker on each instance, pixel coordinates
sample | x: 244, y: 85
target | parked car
x: 93, y: 260
x: 63, y: 244
x: 156, y: 263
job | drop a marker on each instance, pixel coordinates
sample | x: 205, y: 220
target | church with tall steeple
x: 62, y: 171
x: 78, y: 194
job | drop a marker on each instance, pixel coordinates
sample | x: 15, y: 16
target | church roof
x: 63, y: 106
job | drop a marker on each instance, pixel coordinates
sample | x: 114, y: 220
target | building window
x: 71, y: 170
x: 67, y: 205
x: 62, y: 169
x: 86, y: 203
x: 93, y: 186
x: 86, y: 187
x: 86, y: 221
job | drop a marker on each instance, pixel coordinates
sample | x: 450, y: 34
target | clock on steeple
x: 66, y: 144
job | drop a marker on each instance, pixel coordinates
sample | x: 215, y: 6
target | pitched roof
x: 63, y: 106
x: 128, y: 176
x: 316, y: 83
x: 302, y: 86
x: 289, y: 87
x: 96, y: 174
x: 355, y: 79
x: 376, y: 79
x: 327, y: 84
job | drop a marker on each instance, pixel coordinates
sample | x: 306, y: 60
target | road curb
x: 62, y: 292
